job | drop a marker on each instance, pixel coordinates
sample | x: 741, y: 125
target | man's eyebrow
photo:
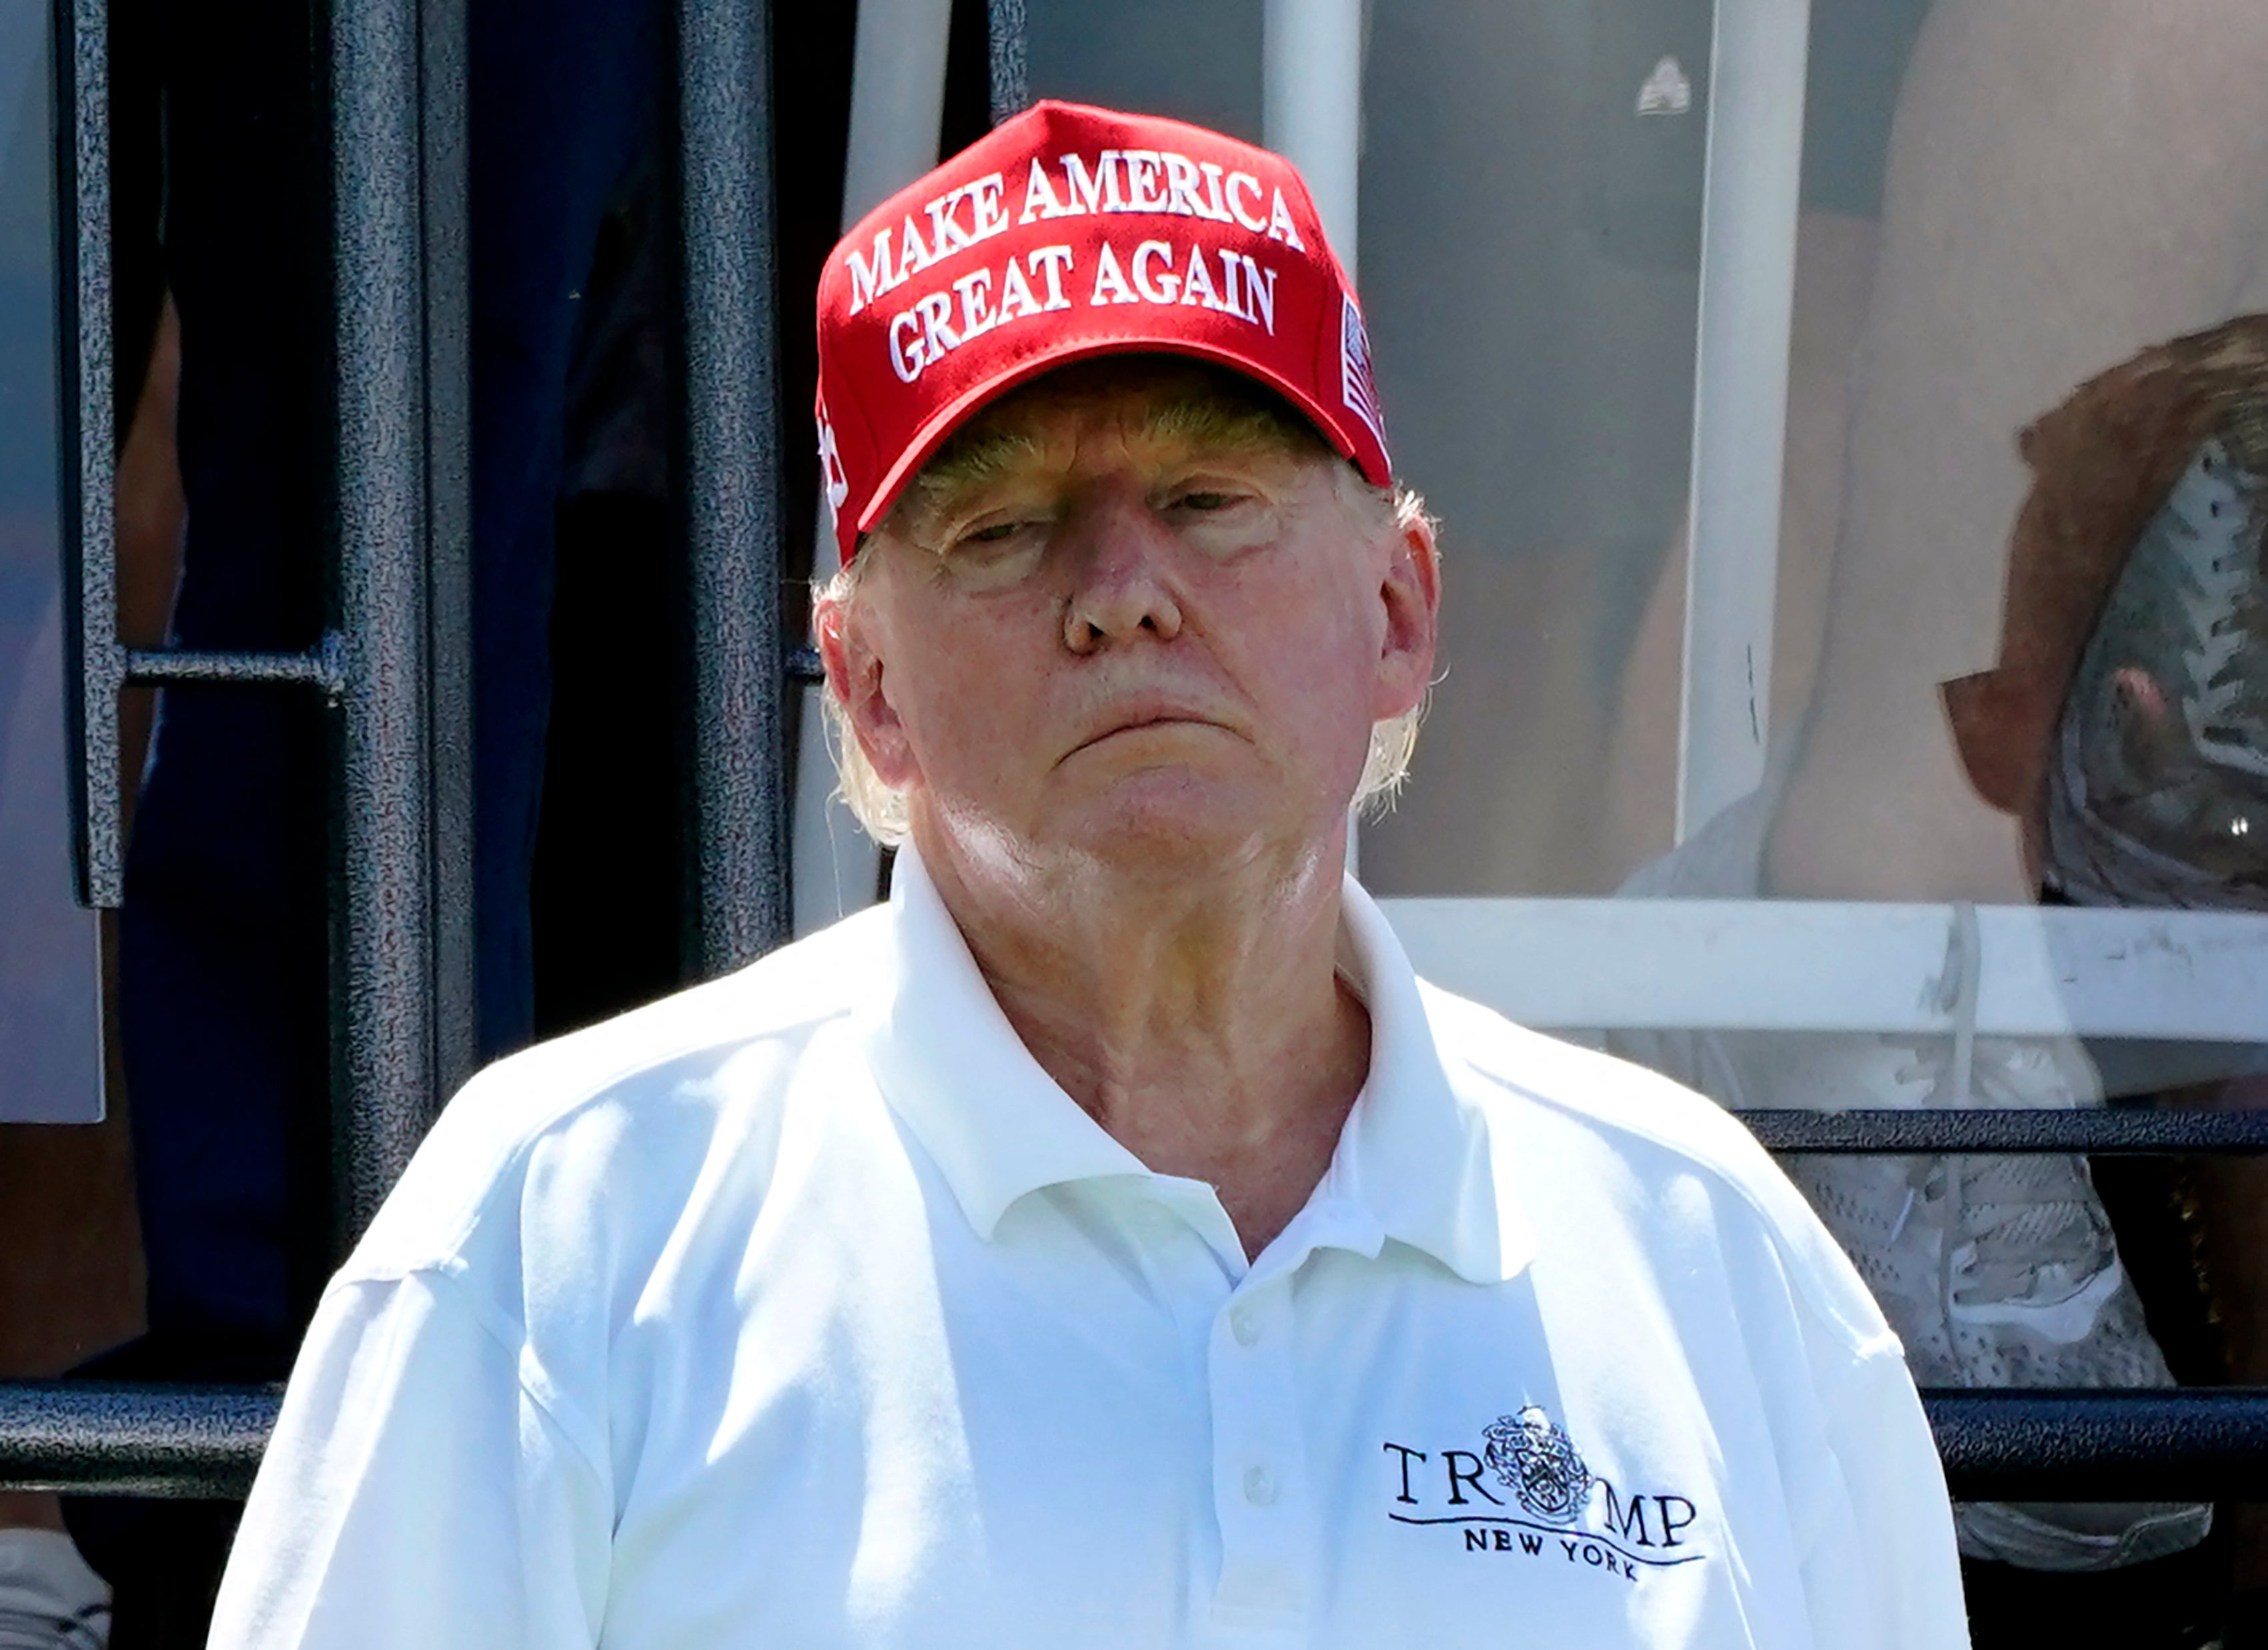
x: 967, y: 462
x: 980, y: 457
x: 1218, y: 421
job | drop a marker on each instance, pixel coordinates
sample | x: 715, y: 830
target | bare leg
x: 2068, y: 180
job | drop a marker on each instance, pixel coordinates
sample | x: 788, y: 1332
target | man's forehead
x: 1146, y: 402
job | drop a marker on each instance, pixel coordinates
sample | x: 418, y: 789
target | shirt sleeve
x: 416, y: 1492
x: 1882, y: 1572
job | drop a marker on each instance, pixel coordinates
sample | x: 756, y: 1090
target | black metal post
x: 2186, y: 1444
x: 2124, y: 1131
x: 2156, y: 1444
x: 90, y: 469
x: 383, y: 914
x: 1007, y: 58
x: 731, y: 456
x: 318, y: 668
x: 94, y: 1438
x: 447, y: 215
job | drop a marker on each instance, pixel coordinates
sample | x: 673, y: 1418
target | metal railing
x: 396, y: 665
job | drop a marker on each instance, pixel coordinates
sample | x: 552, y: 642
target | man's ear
x: 1410, y: 595
x: 852, y: 649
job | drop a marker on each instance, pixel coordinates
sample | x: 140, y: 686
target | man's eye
x: 997, y: 553
x: 996, y: 534
x: 1205, y: 501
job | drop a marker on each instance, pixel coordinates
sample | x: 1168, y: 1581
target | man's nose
x: 1122, y: 587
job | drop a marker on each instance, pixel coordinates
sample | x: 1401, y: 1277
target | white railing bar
x: 1800, y: 965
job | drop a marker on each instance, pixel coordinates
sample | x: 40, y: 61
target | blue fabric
x: 561, y: 106
x: 222, y: 940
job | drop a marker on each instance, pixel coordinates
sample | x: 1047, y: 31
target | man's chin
x: 1163, y: 832
x: 1149, y: 824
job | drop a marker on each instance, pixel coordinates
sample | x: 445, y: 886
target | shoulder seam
x: 572, y: 1098
x: 582, y: 1093
x: 510, y: 1337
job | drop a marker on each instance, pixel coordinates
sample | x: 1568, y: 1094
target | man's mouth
x: 1141, y: 719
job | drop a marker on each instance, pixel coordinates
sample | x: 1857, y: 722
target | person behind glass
x: 1109, y: 1241
x: 2067, y: 186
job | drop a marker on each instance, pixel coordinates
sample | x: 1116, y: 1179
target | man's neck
x: 1200, y: 1020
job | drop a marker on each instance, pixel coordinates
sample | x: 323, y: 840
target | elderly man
x: 1110, y: 1241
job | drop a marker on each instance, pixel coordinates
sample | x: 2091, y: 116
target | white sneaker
x: 50, y: 1599
x: 1995, y: 1271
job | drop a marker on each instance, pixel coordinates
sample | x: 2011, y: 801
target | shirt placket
x: 1261, y: 1492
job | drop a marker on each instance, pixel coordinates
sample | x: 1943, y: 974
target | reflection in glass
x: 49, y: 1033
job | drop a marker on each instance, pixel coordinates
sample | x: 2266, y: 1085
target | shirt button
x: 1244, y: 1326
x: 1259, y: 1486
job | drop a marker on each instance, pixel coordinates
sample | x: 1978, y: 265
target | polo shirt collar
x: 1413, y: 1162
x: 1414, y: 1154
x: 950, y: 1064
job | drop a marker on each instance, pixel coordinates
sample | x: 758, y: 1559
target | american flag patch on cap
x: 1356, y: 387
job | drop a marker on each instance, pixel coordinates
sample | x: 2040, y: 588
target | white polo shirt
x: 803, y: 1309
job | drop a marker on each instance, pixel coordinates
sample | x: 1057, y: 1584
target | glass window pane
x: 1532, y: 195
x: 50, y: 1061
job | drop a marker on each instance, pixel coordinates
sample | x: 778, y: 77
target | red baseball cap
x: 1067, y: 233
